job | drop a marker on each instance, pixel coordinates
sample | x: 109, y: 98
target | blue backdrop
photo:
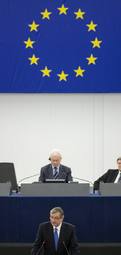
x: 97, y: 219
x: 60, y: 46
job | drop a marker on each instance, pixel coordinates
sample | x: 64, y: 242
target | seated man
x: 55, y: 170
x: 112, y: 175
x: 55, y: 236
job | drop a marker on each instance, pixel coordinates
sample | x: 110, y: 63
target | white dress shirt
x: 58, y: 229
x: 54, y: 169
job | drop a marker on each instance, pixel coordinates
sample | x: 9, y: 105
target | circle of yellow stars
x: 91, y: 27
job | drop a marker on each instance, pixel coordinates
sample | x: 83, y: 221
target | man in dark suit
x: 112, y: 175
x: 55, y: 170
x: 56, y: 237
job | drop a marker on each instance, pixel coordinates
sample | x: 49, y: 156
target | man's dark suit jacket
x: 108, y: 177
x: 45, y: 239
x: 46, y: 172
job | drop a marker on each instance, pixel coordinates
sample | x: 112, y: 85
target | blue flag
x: 49, y: 46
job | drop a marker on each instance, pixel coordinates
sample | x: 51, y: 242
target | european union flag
x: 49, y: 46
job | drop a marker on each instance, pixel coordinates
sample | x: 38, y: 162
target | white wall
x: 85, y: 127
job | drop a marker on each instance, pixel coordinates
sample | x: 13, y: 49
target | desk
x: 97, y: 219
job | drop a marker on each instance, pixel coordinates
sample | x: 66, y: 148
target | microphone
x: 27, y: 177
x: 66, y: 248
x: 76, y: 178
x: 41, y: 247
x: 84, y: 180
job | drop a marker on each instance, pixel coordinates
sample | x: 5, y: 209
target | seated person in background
x: 56, y: 237
x: 112, y: 175
x: 55, y: 170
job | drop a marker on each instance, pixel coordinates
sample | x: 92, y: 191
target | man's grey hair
x: 57, y: 210
x: 55, y: 153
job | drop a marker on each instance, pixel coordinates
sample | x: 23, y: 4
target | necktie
x: 119, y: 180
x: 56, y: 237
x: 55, y: 172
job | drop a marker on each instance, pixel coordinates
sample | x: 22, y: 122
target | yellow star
x: 96, y: 43
x: 29, y: 43
x: 62, y: 9
x: 33, y: 26
x: 46, y: 14
x: 46, y: 72
x: 79, y: 14
x: 91, y: 26
x: 79, y: 72
x: 33, y: 60
x: 91, y: 59
x: 62, y: 76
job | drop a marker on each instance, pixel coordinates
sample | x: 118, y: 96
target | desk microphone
x: 76, y: 178
x: 27, y: 177
x: 84, y: 180
x: 66, y: 248
x: 41, y: 247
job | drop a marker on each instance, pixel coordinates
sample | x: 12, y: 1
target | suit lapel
x: 50, y: 172
x: 115, y: 175
x: 61, y: 175
x: 51, y: 236
x: 61, y: 172
x: 61, y: 237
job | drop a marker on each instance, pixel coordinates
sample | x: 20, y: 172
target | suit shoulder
x: 65, y: 167
x: 46, y: 166
x: 112, y: 170
x: 44, y: 224
x: 68, y: 225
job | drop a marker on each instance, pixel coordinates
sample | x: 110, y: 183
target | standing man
x: 55, y: 170
x: 56, y: 237
x: 112, y: 175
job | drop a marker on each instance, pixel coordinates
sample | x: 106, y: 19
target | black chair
x: 7, y: 174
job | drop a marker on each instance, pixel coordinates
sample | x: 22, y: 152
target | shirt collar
x: 58, y: 227
x: 54, y: 168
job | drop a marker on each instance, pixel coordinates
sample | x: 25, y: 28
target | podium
x: 55, y: 189
x: 5, y: 189
x: 110, y: 189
